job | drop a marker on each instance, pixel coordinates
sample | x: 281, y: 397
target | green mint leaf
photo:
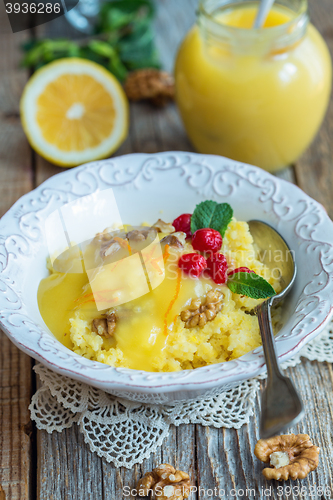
x: 117, y: 68
x: 250, y: 284
x: 213, y: 215
x: 101, y: 48
x: 127, y: 40
x: 123, y: 14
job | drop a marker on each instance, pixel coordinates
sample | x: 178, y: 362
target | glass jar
x: 254, y: 95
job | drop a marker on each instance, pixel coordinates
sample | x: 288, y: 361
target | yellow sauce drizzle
x: 175, y: 297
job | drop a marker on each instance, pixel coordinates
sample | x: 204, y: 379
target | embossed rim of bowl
x: 301, y: 220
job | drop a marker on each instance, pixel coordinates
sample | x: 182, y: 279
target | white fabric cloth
x: 126, y: 432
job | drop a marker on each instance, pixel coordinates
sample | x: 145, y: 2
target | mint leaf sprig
x: 123, y: 41
x: 213, y: 215
x: 250, y: 284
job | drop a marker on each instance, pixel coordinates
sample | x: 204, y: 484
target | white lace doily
x: 126, y: 432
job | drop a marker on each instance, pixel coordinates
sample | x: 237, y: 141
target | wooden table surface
x: 35, y: 465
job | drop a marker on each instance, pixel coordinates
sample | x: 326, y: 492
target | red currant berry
x: 240, y: 270
x: 206, y: 240
x: 217, y: 267
x: 192, y: 264
x: 183, y: 223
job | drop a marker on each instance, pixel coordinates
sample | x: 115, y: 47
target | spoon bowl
x: 275, y: 254
x: 281, y: 406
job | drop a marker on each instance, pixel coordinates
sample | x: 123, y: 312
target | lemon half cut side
x: 74, y: 111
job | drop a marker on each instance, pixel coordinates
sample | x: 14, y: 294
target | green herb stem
x: 124, y: 41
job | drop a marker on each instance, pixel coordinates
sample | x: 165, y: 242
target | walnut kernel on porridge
x: 290, y: 456
x: 105, y: 327
x: 175, y: 240
x: 202, y: 309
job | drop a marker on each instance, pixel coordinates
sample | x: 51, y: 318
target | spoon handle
x: 264, y: 8
x: 267, y: 336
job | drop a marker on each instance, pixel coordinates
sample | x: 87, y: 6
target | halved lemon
x: 74, y: 111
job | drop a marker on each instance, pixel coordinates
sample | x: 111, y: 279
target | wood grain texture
x: 230, y: 463
x: 16, y: 176
x: 15, y: 367
x: 15, y: 156
x: 15, y: 425
x: 314, y: 168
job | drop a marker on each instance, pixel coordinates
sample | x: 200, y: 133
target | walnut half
x: 165, y: 483
x: 163, y: 227
x: 202, y: 310
x: 105, y: 327
x: 297, y: 451
x: 152, y: 84
x: 175, y: 240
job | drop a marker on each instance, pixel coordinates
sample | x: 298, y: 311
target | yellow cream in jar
x: 254, y: 97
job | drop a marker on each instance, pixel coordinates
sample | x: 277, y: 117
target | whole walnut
x: 150, y: 84
x: 296, y: 453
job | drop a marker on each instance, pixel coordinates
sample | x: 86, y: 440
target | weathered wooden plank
x: 178, y: 449
x: 153, y: 129
x: 16, y: 176
x: 314, y: 381
x: 15, y: 367
x: 314, y: 168
x: 288, y: 174
x: 45, y: 169
x: 173, y: 21
x: 67, y: 469
x: 15, y: 426
x: 227, y: 461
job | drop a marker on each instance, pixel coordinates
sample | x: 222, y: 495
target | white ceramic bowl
x: 144, y: 185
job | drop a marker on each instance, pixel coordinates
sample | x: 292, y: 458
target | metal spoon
x: 264, y: 8
x: 281, y: 406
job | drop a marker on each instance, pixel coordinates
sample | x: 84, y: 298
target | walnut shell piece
x: 303, y: 456
x: 152, y: 84
x: 165, y: 483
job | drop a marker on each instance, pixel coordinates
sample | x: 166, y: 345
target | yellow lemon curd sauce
x: 259, y: 108
x: 149, y: 333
